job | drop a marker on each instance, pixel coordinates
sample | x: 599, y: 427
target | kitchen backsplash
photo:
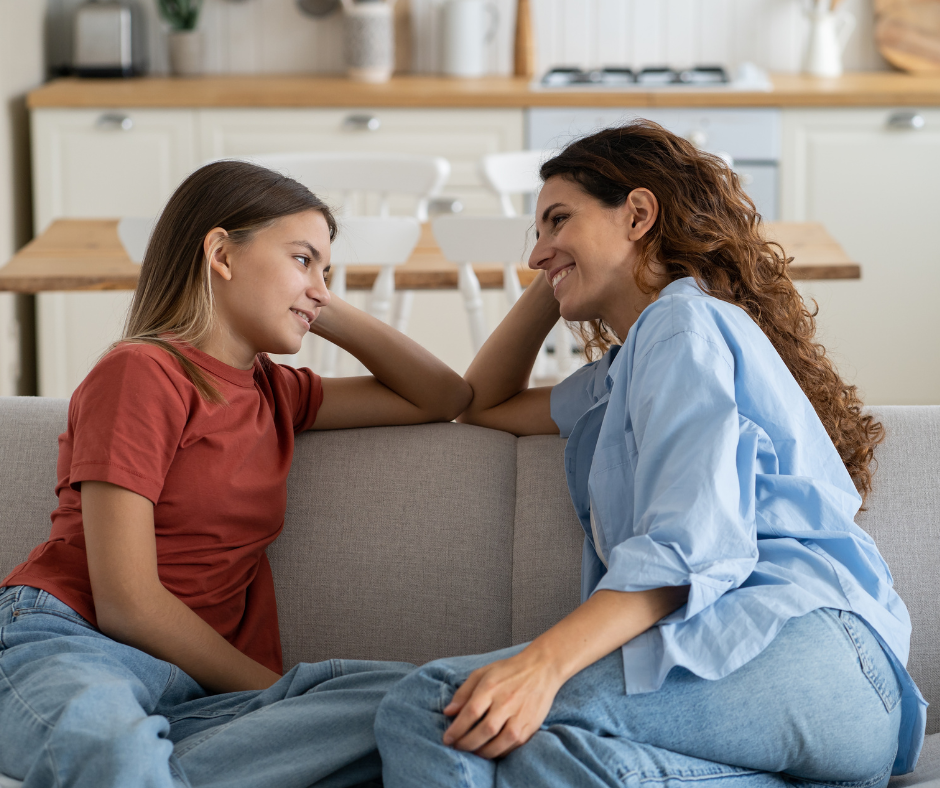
x: 273, y: 36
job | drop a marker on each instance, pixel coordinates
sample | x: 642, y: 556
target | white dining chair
x: 385, y: 241
x: 517, y: 173
x: 465, y: 240
x: 512, y: 173
x: 365, y: 182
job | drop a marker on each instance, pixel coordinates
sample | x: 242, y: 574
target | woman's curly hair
x: 708, y: 228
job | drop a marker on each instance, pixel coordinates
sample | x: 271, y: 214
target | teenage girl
x: 736, y: 627
x: 139, y: 645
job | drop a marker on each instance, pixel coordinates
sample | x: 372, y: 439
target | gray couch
x: 412, y: 543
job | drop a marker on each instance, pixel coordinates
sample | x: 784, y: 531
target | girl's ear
x: 213, y: 247
x: 644, y: 208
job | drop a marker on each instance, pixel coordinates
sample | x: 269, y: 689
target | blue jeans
x: 820, y: 705
x: 80, y: 709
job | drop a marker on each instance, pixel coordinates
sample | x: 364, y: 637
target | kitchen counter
x: 860, y: 89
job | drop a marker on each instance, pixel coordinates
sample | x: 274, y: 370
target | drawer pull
x: 361, y: 123
x: 112, y: 120
x: 906, y: 120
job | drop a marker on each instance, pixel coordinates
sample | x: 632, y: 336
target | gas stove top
x: 746, y: 77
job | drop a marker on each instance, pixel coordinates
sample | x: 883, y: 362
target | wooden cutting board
x: 908, y: 34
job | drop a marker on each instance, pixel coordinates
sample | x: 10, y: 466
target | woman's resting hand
x: 501, y: 705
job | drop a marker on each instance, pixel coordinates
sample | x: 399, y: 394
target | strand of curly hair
x: 709, y: 229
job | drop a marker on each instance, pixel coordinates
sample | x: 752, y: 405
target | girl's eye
x: 304, y: 261
x: 326, y: 274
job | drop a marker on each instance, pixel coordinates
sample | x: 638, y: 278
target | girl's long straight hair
x: 709, y: 229
x: 173, y: 302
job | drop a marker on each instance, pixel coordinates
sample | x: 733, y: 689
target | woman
x: 139, y: 645
x: 736, y: 627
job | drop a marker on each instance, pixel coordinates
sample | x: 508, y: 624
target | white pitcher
x: 369, y: 38
x: 467, y: 28
x: 829, y: 32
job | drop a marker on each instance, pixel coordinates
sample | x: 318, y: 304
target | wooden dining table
x: 86, y: 254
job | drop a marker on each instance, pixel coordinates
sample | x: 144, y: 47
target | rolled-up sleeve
x: 693, y: 520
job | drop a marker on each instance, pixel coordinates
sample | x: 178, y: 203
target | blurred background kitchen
x: 858, y: 153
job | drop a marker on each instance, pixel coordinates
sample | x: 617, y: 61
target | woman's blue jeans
x: 79, y: 709
x: 819, y: 706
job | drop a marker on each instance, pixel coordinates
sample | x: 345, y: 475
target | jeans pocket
x: 36, y: 601
x: 874, y: 662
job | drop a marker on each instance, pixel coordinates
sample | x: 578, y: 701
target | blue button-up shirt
x: 703, y: 463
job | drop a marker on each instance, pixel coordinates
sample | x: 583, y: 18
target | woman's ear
x: 643, y: 208
x: 213, y: 247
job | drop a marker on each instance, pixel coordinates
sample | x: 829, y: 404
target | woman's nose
x: 540, y: 254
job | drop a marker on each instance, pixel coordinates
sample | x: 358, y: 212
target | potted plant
x: 186, y: 45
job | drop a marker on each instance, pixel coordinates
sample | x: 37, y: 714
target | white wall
x: 21, y: 69
x: 273, y: 36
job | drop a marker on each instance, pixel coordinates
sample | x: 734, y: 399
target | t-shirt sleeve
x: 127, y: 419
x: 304, y: 390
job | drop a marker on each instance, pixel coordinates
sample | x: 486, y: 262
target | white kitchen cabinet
x: 107, y: 163
x: 461, y: 136
x: 98, y: 163
x: 869, y: 176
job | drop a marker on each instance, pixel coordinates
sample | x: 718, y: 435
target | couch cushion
x: 397, y: 544
x: 903, y: 518
x: 29, y: 447
x: 546, y: 555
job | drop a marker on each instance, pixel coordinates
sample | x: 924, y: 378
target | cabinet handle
x: 112, y: 120
x: 361, y: 123
x: 906, y: 120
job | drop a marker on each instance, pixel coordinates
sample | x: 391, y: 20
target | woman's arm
x: 133, y: 607
x: 500, y: 372
x: 501, y: 705
x: 409, y: 384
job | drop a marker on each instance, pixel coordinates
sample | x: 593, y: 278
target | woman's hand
x: 501, y: 705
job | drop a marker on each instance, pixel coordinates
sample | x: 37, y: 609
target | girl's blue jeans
x: 79, y: 709
x: 819, y: 706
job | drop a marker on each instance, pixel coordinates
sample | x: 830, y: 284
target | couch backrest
x: 903, y: 518
x: 418, y: 542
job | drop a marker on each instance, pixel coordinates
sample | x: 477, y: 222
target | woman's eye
x: 557, y: 218
x: 304, y: 261
x: 326, y: 274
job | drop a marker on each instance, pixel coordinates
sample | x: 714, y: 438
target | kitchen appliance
x: 746, y: 76
x: 751, y: 137
x: 467, y: 27
x: 108, y: 40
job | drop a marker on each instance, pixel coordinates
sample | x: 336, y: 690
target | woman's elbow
x: 454, y: 401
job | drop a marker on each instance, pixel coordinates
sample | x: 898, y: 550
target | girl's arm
x: 501, y: 705
x: 500, y: 372
x: 409, y: 384
x: 133, y: 607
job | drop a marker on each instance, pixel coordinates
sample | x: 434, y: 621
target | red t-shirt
x: 216, y: 474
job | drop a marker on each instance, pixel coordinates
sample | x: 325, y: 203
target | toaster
x: 108, y: 40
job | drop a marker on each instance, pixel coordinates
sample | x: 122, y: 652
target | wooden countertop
x: 860, y: 89
x: 86, y: 254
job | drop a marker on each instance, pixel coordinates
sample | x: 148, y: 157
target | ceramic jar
x: 369, y: 32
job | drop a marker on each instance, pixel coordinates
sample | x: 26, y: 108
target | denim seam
x: 867, y: 668
x: 22, y: 700
x: 442, y: 704
x: 871, y: 781
x: 55, y: 764
x: 42, y: 611
x: 718, y: 774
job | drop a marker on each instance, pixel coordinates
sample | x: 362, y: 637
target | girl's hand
x: 501, y: 705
